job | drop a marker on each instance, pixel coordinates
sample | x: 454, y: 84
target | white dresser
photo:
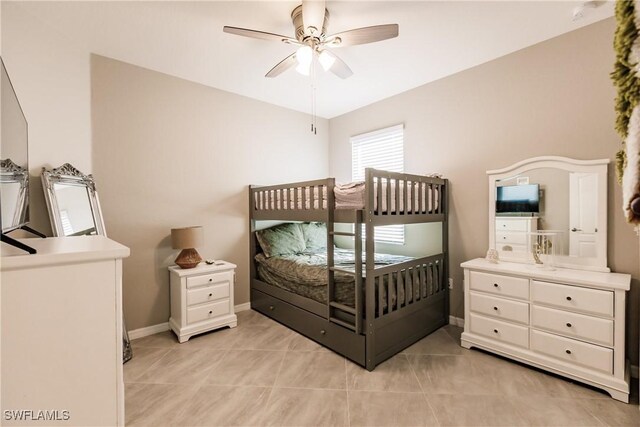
x: 570, y: 322
x: 202, y: 298
x: 62, y: 332
x: 512, y: 233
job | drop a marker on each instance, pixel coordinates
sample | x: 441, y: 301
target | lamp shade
x: 187, y: 237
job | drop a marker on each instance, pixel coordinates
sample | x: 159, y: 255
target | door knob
x: 575, y: 229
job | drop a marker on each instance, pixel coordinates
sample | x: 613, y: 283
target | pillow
x: 315, y: 236
x: 283, y: 239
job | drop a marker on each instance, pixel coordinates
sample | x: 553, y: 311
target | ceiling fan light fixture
x: 304, y: 69
x: 304, y: 55
x: 326, y: 59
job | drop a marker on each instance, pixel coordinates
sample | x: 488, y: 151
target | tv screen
x: 14, y: 168
x: 518, y: 199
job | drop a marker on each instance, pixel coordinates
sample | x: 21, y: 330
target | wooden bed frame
x: 370, y: 332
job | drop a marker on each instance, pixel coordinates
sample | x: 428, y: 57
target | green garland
x: 624, y: 76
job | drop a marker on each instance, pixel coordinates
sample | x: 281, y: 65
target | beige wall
x: 50, y: 74
x: 170, y: 153
x: 554, y: 98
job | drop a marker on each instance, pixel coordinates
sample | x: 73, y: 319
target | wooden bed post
x: 370, y: 291
x: 445, y: 246
x: 252, y: 242
x: 330, y: 242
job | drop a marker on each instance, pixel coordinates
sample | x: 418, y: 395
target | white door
x: 583, y: 214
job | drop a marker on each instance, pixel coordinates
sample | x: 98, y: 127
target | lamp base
x: 188, y: 258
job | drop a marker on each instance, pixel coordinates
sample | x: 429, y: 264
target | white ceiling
x: 185, y: 39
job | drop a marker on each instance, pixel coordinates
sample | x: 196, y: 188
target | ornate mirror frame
x: 12, y: 173
x: 67, y: 174
x: 599, y: 167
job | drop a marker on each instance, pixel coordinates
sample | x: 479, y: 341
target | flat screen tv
x: 518, y: 199
x: 14, y: 162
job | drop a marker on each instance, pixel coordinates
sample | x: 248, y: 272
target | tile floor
x: 262, y: 373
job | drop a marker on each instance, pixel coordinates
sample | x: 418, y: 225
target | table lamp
x: 187, y: 239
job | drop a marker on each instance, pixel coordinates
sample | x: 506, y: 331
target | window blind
x: 380, y: 149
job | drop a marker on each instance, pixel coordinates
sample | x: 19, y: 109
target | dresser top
x: 565, y: 275
x: 60, y: 251
x: 203, y: 267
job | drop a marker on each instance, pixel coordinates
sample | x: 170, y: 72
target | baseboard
x: 242, y: 307
x: 634, y: 371
x: 161, y: 327
x: 149, y: 330
x: 456, y: 321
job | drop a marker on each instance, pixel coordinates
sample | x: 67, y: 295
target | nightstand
x: 202, y: 298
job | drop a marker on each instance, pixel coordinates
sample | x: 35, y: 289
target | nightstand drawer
x: 500, y: 285
x: 573, y: 298
x: 501, y: 331
x: 209, y: 293
x: 208, y: 311
x: 588, y: 328
x: 208, y: 279
x: 573, y: 351
x: 500, y: 308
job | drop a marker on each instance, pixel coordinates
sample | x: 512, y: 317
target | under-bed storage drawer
x: 337, y: 338
x: 502, y: 331
x: 500, y: 285
x: 209, y: 279
x: 501, y: 308
x: 575, y: 298
x: 574, y: 351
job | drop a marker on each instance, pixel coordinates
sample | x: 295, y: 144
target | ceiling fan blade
x: 313, y: 15
x: 339, y: 67
x: 255, y: 34
x: 363, y: 35
x: 283, y: 66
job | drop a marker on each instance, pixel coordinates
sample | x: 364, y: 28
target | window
x: 380, y: 149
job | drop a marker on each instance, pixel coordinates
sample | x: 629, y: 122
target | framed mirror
x: 14, y: 184
x: 74, y: 208
x: 551, y: 205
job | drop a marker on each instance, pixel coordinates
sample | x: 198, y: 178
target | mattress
x: 306, y: 274
x: 350, y: 196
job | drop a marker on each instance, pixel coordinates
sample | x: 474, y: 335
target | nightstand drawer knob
x: 568, y: 298
x: 211, y: 280
x: 568, y: 325
x: 271, y: 307
x: 495, y: 331
x: 495, y: 285
x: 210, y: 311
x: 568, y: 351
x: 495, y: 308
x: 322, y: 332
x: 210, y: 295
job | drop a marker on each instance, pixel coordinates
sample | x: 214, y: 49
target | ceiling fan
x: 310, y: 22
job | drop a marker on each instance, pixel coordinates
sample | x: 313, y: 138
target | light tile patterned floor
x: 262, y: 373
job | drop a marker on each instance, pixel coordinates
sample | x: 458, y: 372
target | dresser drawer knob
x: 495, y: 331
x: 210, y: 311
x: 495, y: 308
x: 568, y: 325
x: 495, y: 285
x: 210, y: 295
x: 568, y: 351
x: 568, y: 298
x: 322, y: 332
x: 211, y: 280
x: 271, y: 307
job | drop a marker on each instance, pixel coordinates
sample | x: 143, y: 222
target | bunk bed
x: 373, y: 306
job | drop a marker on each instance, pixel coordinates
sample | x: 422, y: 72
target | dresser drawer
x: 208, y: 311
x: 208, y: 279
x: 208, y: 293
x: 499, y: 330
x: 593, y: 329
x: 513, y: 238
x: 499, y: 285
x: 500, y: 308
x: 510, y: 247
x: 573, y: 351
x: 586, y: 300
x: 511, y: 225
